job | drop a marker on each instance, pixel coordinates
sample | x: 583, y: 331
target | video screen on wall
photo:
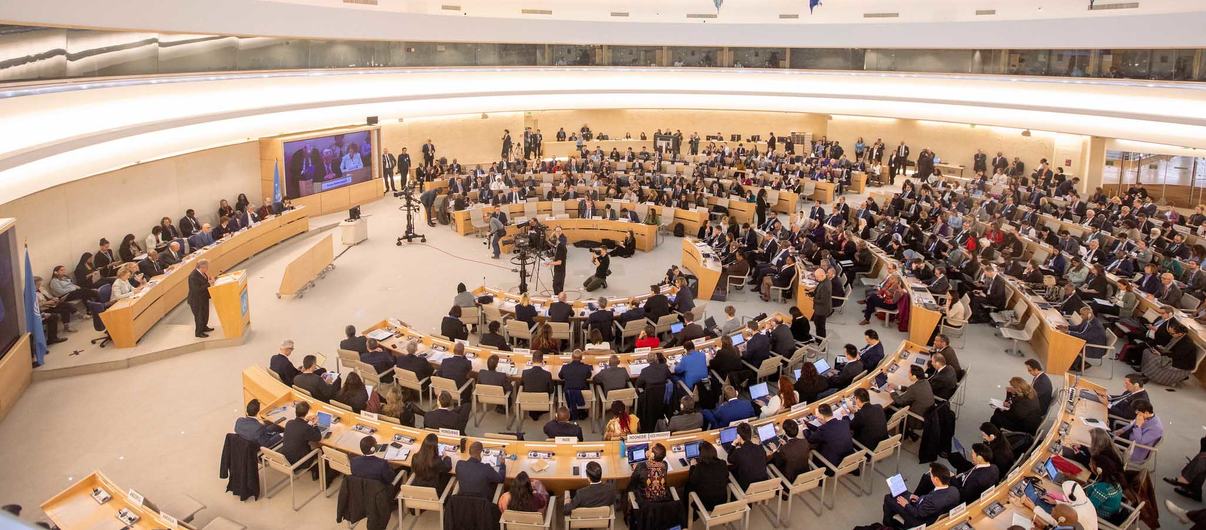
x: 10, y: 303
x: 315, y: 165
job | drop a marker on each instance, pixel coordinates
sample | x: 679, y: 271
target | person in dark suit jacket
x: 560, y: 311
x: 924, y: 509
x: 782, y: 340
x: 747, y: 460
x: 491, y: 376
x: 369, y: 466
x: 833, y: 439
x: 562, y: 426
x: 613, y: 377
x: 690, y: 331
x: 452, y: 327
x: 851, y: 370
x: 975, y: 481
x: 873, y: 353
x: 447, y: 417
x: 353, y: 342
x: 733, y: 409
x: 684, y: 299
x: 477, y: 478
x: 919, y: 396
x: 1123, y: 405
x: 1022, y: 412
x: 171, y: 255
x: 281, y: 364
x: 253, y: 429
x: 942, y: 344
x: 189, y: 224
x: 301, y: 435
x: 413, y: 363
x: 575, y: 378
x: 602, y: 319
x: 456, y: 367
x: 493, y: 338
x: 536, y: 379
x: 198, y: 297
x: 657, y: 305
x: 793, y: 457
x: 311, y: 380
x: 1041, y: 383
x: 944, y: 382
x: 869, y: 425
x: 757, y: 347
x: 381, y: 360
x: 596, y: 494
x: 150, y: 266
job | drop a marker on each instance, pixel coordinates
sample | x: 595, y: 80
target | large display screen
x: 315, y: 165
x: 10, y: 302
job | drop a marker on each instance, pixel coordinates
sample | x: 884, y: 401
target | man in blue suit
x: 915, y: 510
x: 833, y: 438
x: 731, y: 410
x: 758, y: 347
x: 478, y: 478
x: 691, y: 368
x: 873, y: 353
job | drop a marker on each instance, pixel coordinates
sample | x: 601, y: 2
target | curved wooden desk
x: 705, y: 267
x: 278, y: 399
x: 75, y: 508
x: 129, y: 319
x: 505, y: 301
x: 692, y: 219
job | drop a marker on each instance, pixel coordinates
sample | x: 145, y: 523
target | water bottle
x: 623, y: 450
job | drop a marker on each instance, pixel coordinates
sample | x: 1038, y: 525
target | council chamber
x: 559, y: 264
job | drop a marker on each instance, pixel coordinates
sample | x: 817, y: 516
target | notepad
x: 380, y: 334
x: 1022, y: 521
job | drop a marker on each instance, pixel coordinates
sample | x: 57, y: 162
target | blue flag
x: 32, y: 318
x: 276, y: 182
x: 813, y: 4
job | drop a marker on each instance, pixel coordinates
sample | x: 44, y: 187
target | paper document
x: 380, y: 334
x: 997, y: 404
x: 1022, y: 521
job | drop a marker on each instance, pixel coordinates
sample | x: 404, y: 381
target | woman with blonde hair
x: 1020, y: 411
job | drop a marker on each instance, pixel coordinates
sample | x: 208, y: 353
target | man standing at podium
x: 198, y: 297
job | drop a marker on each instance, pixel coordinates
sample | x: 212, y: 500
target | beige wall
x: 468, y: 138
x: 957, y: 143
x: 63, y: 222
x: 705, y: 122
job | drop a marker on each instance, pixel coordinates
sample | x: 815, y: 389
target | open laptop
x: 676, y: 327
x: 823, y: 367
x: 638, y: 453
x: 690, y: 453
x: 881, y: 380
x: 727, y: 435
x: 759, y: 391
x: 324, y: 422
x: 738, y: 341
x: 768, y: 436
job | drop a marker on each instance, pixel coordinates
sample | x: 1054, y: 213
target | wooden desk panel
x: 74, y: 507
x: 858, y: 182
x: 824, y: 192
x: 129, y: 319
x: 708, y: 271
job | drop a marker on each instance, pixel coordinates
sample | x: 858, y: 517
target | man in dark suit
x: 407, y: 360
x: 560, y: 311
x: 873, y: 353
x: 833, y: 439
x: 575, y: 378
x: 733, y: 409
x: 939, y: 284
x: 918, y: 396
x: 150, y: 266
x: 917, y: 510
x: 1123, y: 405
x: 536, y: 379
x: 198, y: 298
x: 371, y: 467
x: 942, y: 345
x: 1041, y: 383
x: 691, y: 331
x: 562, y: 426
x: 899, y: 162
x: 428, y: 153
x: 281, y: 364
x: 782, y: 341
x: 456, y: 367
x: 381, y: 360
x: 171, y: 255
x: 943, y: 382
x: 352, y: 341
x: 757, y: 347
x: 477, y: 478
x: 793, y: 456
x: 447, y: 417
x: 253, y: 429
x: 189, y: 224
x: 869, y: 425
x: 301, y: 436
x: 594, y: 495
x: 388, y: 163
x: 851, y: 370
x: 312, y: 380
x: 684, y: 299
x: 983, y: 475
x: 602, y: 319
x: 747, y: 460
x: 613, y: 377
x: 493, y: 338
x: 657, y: 305
x: 403, y: 168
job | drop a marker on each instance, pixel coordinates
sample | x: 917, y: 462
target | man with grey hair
x: 198, y: 297
x: 411, y: 362
x: 281, y: 364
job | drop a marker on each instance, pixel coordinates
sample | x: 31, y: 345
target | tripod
x: 409, y: 206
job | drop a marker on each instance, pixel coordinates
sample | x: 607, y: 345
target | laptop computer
x: 881, y: 380
x: 768, y: 436
x: 759, y: 391
x: 676, y: 327
x: 324, y: 422
x: 822, y: 367
x: 638, y: 453
x: 738, y: 339
x: 727, y: 435
x: 796, y: 373
x: 690, y: 453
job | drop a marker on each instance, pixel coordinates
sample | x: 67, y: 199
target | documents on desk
x: 380, y: 334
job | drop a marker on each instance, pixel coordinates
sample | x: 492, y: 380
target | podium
x: 228, y: 294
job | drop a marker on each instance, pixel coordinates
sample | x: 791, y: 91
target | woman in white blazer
x: 957, y: 311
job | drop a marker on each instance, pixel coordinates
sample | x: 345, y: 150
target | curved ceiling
x: 835, y: 23
x: 75, y: 134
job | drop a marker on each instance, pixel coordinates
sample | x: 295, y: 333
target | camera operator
x: 602, y: 264
x: 497, y: 231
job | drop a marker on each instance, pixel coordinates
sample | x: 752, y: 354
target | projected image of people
x: 315, y: 165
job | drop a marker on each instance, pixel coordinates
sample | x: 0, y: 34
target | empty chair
x: 856, y: 461
x: 599, y: 517
x: 222, y: 523
x: 277, y: 462
x: 531, y: 402
x: 345, y: 359
x: 337, y: 461
x: 760, y: 494
x: 771, y: 366
x: 477, y: 221
x: 1018, y: 335
x: 518, y: 330
x: 558, y: 207
x: 726, y: 514
x: 882, y: 451
x: 812, y: 480
x: 486, y: 396
x: 630, y: 330
x: 562, y: 331
x: 663, y: 324
x: 1111, y: 341
x: 421, y: 499
x: 443, y: 384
